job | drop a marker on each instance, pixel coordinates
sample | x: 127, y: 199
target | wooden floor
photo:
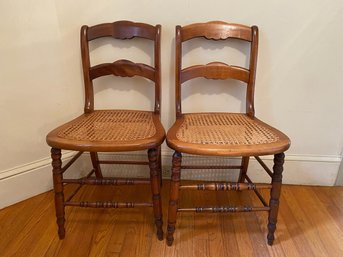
x: 310, y: 224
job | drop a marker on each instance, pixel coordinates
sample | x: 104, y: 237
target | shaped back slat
x: 215, y: 70
x: 123, y: 68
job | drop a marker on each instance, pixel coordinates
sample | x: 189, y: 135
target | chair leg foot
x: 159, y: 231
x: 174, y: 196
x: 270, y: 236
x: 58, y: 189
x: 275, y: 195
x: 61, y: 232
x: 170, y: 231
x: 159, y: 223
x: 155, y: 189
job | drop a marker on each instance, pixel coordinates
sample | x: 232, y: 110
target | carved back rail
x: 124, y: 68
x: 217, y: 30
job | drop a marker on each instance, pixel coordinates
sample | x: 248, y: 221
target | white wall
x: 298, y: 87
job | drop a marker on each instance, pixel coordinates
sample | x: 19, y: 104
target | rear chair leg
x: 155, y: 189
x: 174, y: 196
x: 58, y: 188
x: 244, y: 169
x: 96, y: 165
x: 159, y: 165
x: 275, y: 195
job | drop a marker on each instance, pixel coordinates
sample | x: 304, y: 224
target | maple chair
x: 221, y: 133
x: 111, y: 130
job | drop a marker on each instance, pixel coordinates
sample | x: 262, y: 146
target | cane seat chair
x: 223, y: 134
x: 112, y: 130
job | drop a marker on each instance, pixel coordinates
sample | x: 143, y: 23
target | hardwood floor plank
x: 226, y: 227
x: 289, y: 231
x: 184, y: 237
x: 301, y: 214
x: 13, y: 225
x: 215, y: 244
x: 260, y: 248
x: 328, y: 200
x: 320, y: 218
x: 310, y: 224
x: 241, y: 228
x: 281, y: 246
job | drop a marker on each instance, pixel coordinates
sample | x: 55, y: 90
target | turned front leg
x: 58, y: 189
x: 174, y: 196
x: 275, y: 195
x: 155, y: 189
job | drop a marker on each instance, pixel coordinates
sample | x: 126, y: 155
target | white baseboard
x: 25, y: 181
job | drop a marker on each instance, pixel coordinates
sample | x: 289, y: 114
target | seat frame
x: 119, y: 30
x: 218, y: 30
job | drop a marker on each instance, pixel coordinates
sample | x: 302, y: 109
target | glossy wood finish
x: 275, y: 195
x: 89, y: 132
x: 174, y: 196
x: 226, y: 186
x: 224, y: 209
x: 155, y: 189
x: 310, y: 225
x: 53, y: 139
x: 120, y: 30
x: 58, y: 188
x: 217, y: 31
x: 106, y: 181
x: 123, y: 68
x: 281, y: 145
x: 223, y: 134
x: 218, y: 70
x: 215, y: 70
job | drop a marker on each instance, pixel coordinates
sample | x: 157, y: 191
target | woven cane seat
x: 109, y: 130
x: 224, y: 134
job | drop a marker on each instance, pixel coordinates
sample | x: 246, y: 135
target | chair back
x: 124, y: 68
x: 217, y: 30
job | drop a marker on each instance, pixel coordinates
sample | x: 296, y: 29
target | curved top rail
x: 216, y: 30
x: 122, y: 30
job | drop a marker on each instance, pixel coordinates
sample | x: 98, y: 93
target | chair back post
x: 88, y: 83
x: 178, y: 66
x: 157, y: 63
x: 250, y: 108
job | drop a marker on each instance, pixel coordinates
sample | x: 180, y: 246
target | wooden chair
x: 223, y: 134
x: 111, y: 130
